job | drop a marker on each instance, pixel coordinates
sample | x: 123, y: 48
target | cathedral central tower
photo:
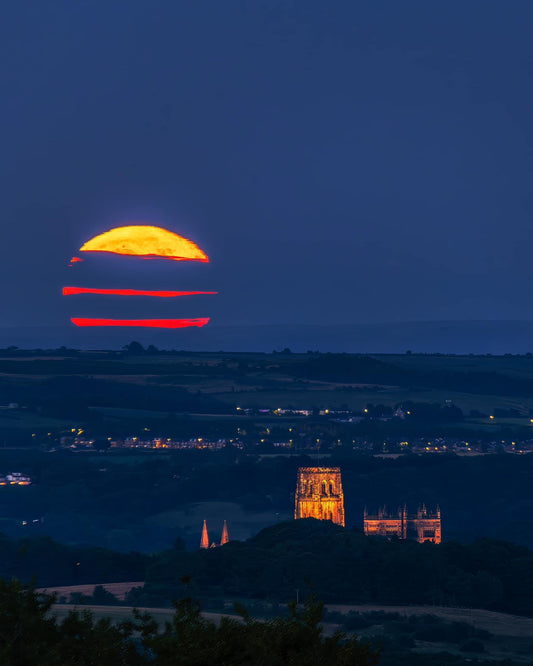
x: 319, y: 494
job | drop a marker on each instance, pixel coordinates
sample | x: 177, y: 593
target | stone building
x: 319, y: 494
x: 422, y: 526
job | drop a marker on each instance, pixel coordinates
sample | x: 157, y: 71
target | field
x: 501, y: 624
x: 497, y: 623
x: 512, y: 635
x: 121, y: 391
x: 119, y: 590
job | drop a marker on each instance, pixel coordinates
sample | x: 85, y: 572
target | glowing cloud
x: 147, y: 323
x: 145, y: 241
x: 71, y: 291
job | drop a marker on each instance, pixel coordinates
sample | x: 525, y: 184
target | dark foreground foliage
x: 30, y: 635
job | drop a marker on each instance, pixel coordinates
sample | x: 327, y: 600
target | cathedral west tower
x: 319, y: 494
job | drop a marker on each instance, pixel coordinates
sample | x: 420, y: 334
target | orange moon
x: 145, y: 241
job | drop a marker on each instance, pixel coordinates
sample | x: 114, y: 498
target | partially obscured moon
x: 141, y: 240
x: 145, y: 241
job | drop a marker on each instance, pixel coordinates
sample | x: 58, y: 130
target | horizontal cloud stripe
x: 69, y: 291
x: 150, y: 323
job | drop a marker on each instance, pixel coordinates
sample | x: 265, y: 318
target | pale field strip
x: 497, y: 623
x: 118, y: 589
x: 502, y: 624
x: 160, y: 615
x: 121, y: 613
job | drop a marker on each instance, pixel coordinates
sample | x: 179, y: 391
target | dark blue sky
x: 340, y: 162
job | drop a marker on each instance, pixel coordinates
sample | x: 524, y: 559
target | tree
x: 152, y: 349
x: 31, y: 636
x: 190, y: 639
x: 85, y: 641
x: 25, y: 630
x: 135, y: 348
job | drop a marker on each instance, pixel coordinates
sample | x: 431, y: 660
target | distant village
x: 15, y: 479
x: 390, y: 448
x: 302, y: 434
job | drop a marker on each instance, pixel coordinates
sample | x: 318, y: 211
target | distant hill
x: 344, y: 566
x: 450, y: 337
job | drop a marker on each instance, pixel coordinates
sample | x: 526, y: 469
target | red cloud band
x: 69, y: 291
x: 150, y: 323
x: 145, y: 256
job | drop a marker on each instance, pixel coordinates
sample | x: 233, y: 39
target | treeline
x: 339, y: 565
x: 344, y: 566
x: 366, y: 369
x: 398, y: 636
x: 420, y: 412
x: 71, y: 395
x: 48, y: 563
x: 345, y: 368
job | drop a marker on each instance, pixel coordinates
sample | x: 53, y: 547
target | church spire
x: 204, y: 542
x: 225, y: 535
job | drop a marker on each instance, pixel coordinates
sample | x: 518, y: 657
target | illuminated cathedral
x: 422, y: 526
x: 204, y: 540
x: 319, y: 494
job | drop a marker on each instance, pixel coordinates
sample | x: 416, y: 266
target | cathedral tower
x: 204, y: 542
x: 319, y: 494
x: 225, y: 535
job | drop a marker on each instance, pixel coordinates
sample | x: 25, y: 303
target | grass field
x: 497, y: 623
x: 512, y: 635
x: 118, y: 589
x: 250, y: 380
x: 500, y: 624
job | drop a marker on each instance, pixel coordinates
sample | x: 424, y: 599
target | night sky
x: 340, y: 162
